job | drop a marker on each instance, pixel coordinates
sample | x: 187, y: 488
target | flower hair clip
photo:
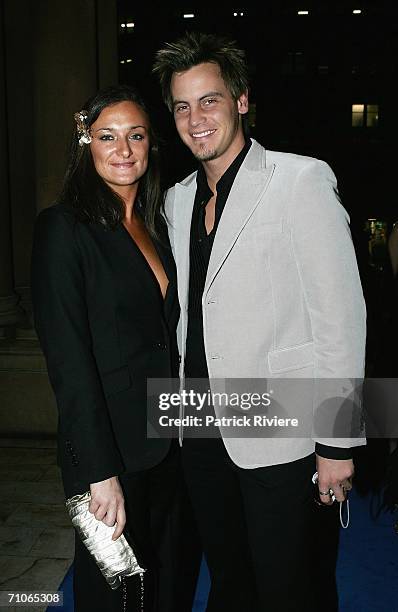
x: 82, y: 129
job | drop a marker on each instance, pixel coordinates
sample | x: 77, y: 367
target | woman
x: 105, y: 309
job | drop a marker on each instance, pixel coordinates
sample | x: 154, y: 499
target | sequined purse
x: 115, y: 558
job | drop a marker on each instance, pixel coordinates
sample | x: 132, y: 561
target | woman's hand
x: 107, y: 504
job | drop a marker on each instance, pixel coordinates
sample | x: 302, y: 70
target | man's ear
x: 243, y: 103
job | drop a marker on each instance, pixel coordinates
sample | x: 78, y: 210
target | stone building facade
x: 53, y: 56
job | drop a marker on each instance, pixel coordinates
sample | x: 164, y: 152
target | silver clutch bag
x: 115, y: 558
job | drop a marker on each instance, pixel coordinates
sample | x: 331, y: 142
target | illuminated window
x: 127, y: 26
x: 365, y: 115
x: 188, y: 15
x: 372, y: 115
x: 358, y: 114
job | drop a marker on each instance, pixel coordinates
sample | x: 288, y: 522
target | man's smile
x: 202, y: 134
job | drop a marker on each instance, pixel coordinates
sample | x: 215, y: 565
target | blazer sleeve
x: 327, y: 266
x: 87, y: 448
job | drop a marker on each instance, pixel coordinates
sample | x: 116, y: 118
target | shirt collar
x: 226, y: 180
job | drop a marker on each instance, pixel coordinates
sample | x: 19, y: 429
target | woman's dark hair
x: 85, y: 190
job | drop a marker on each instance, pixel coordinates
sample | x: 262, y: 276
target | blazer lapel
x: 247, y: 191
x: 134, y: 260
x: 163, y: 249
x: 183, y: 207
x: 166, y: 257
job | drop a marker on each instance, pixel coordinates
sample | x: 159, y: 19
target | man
x: 268, y: 287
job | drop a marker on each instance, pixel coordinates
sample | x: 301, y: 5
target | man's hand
x: 334, y: 474
x: 107, y: 504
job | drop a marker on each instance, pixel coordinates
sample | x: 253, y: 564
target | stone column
x: 58, y: 54
x: 76, y: 53
x: 9, y: 311
x: 107, y: 43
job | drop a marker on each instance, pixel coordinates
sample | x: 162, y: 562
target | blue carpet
x: 66, y: 587
x: 202, y: 589
x: 367, y: 568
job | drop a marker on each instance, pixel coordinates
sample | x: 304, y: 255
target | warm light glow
x: 356, y: 12
x: 303, y: 12
x: 128, y: 60
x: 235, y: 14
x: 365, y: 115
x: 122, y: 61
x: 188, y: 15
x: 130, y: 24
x: 122, y: 25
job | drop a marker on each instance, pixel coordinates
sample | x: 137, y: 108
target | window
x: 372, y: 115
x: 127, y: 26
x: 294, y: 63
x: 365, y: 115
x: 358, y: 114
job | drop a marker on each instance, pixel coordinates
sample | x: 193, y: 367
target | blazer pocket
x: 292, y: 358
x: 116, y: 380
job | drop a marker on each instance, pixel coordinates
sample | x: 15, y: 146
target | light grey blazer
x: 282, y: 296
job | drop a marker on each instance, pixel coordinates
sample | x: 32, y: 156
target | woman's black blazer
x: 104, y: 329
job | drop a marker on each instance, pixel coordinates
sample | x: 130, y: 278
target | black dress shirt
x: 201, y: 245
